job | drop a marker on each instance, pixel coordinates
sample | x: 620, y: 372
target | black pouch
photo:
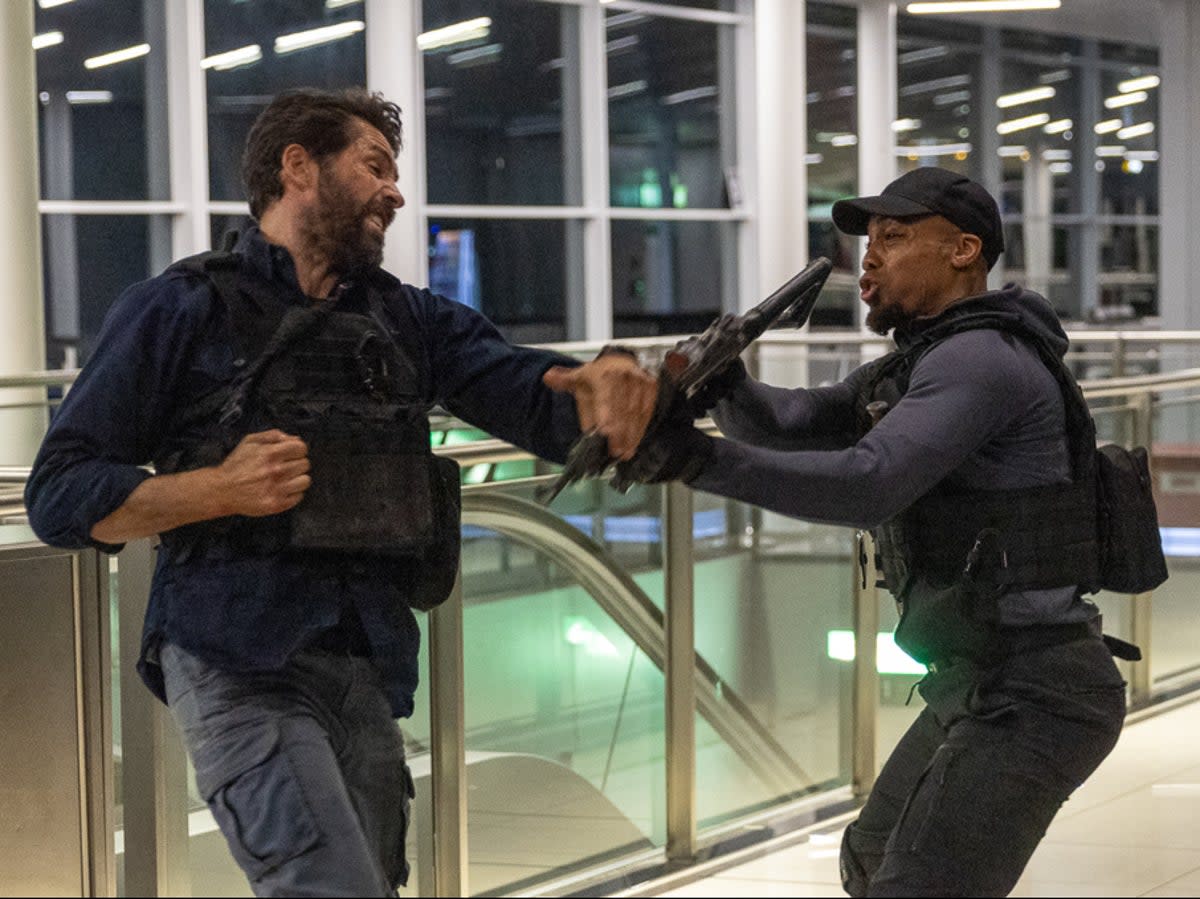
x: 1131, y: 555
x: 938, y: 623
x: 438, y: 565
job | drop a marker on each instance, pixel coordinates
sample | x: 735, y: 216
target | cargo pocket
x: 912, y: 830
x: 400, y: 868
x: 254, y: 793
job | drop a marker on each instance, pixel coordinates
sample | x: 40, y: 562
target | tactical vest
x: 948, y: 557
x: 350, y: 386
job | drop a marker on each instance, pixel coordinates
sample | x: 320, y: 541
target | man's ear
x: 968, y: 249
x: 297, y: 169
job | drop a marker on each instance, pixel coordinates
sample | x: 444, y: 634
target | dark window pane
x: 102, y: 130
x: 87, y: 261
x: 513, y: 271
x: 238, y: 94
x: 665, y: 109
x: 494, y: 103
x: 667, y: 276
x: 1129, y: 168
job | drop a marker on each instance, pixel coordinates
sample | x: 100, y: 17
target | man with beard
x: 962, y: 451
x: 282, y: 392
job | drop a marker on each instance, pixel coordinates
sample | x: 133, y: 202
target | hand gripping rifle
x: 694, y: 362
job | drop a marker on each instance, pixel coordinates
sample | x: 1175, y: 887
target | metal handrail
x: 636, y: 614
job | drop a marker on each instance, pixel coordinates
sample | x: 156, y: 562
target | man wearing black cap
x: 962, y: 452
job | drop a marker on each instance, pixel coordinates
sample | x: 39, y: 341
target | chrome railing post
x: 448, y: 756
x: 680, y: 673
x: 865, y: 695
x: 154, y: 772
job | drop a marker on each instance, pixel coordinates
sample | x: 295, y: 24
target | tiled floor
x: 1132, y: 830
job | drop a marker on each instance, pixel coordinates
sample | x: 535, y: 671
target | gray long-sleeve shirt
x: 982, y: 412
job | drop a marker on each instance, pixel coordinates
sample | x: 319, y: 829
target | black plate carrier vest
x: 949, y: 555
x: 351, y: 388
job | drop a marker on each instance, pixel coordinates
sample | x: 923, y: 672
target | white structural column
x: 781, y: 192
x: 1179, y: 240
x: 22, y: 326
x: 394, y: 67
x: 877, y: 92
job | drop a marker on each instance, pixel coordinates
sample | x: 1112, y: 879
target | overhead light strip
x: 1146, y: 83
x: 302, y: 40
x: 458, y: 33
x: 83, y: 98
x: 953, y: 6
x: 1125, y: 99
x: 47, y: 39
x: 116, y: 56
x: 1021, y: 124
x: 1032, y: 95
x: 232, y: 59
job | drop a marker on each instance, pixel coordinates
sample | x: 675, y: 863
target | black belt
x: 1018, y: 641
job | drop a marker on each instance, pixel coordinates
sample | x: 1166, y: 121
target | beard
x: 337, y: 227
x: 883, y: 317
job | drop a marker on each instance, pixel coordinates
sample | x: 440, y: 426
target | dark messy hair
x: 318, y: 120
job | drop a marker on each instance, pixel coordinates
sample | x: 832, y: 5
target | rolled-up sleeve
x: 114, y: 417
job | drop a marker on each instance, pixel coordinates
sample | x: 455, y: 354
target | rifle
x: 692, y: 363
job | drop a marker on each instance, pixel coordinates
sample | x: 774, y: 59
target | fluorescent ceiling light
x: 338, y: 4
x: 1029, y: 121
x: 625, y: 18
x: 844, y: 140
x: 1125, y: 99
x: 1059, y: 126
x: 1030, y: 96
x: 616, y: 45
x: 1011, y: 150
x: 1056, y: 155
x: 108, y: 59
x: 476, y: 55
x: 81, y: 98
x: 1059, y: 168
x: 50, y: 4
x: 950, y: 6
x: 906, y: 125
x: 922, y: 55
x: 1108, y: 126
x: 936, y: 84
x: 302, y: 40
x: 232, y: 59
x: 47, y: 39
x: 933, y: 150
x: 813, y: 159
x: 1149, y: 82
x: 951, y: 98
x: 458, y: 33
x: 696, y: 93
x: 1143, y: 155
x: 626, y: 90
x: 1110, y: 151
x: 1055, y: 76
x: 1136, y: 131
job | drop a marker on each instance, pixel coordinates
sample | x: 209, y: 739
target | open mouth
x: 868, y: 290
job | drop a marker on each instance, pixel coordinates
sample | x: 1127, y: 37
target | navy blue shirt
x: 167, y: 342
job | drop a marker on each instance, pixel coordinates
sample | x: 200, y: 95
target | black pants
x: 972, y: 786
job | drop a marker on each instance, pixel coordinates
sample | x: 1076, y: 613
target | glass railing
x: 628, y: 680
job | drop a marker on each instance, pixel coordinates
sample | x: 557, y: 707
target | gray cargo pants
x: 303, y: 770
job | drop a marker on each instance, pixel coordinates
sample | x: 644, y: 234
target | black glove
x: 719, y: 386
x: 673, y: 451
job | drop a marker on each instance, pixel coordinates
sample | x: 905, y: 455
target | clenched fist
x: 266, y: 473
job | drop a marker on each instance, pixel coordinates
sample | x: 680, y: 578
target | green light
x: 477, y: 474
x: 581, y: 632
x: 889, y: 658
x: 650, y: 192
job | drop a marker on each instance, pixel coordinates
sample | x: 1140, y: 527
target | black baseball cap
x: 930, y: 191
